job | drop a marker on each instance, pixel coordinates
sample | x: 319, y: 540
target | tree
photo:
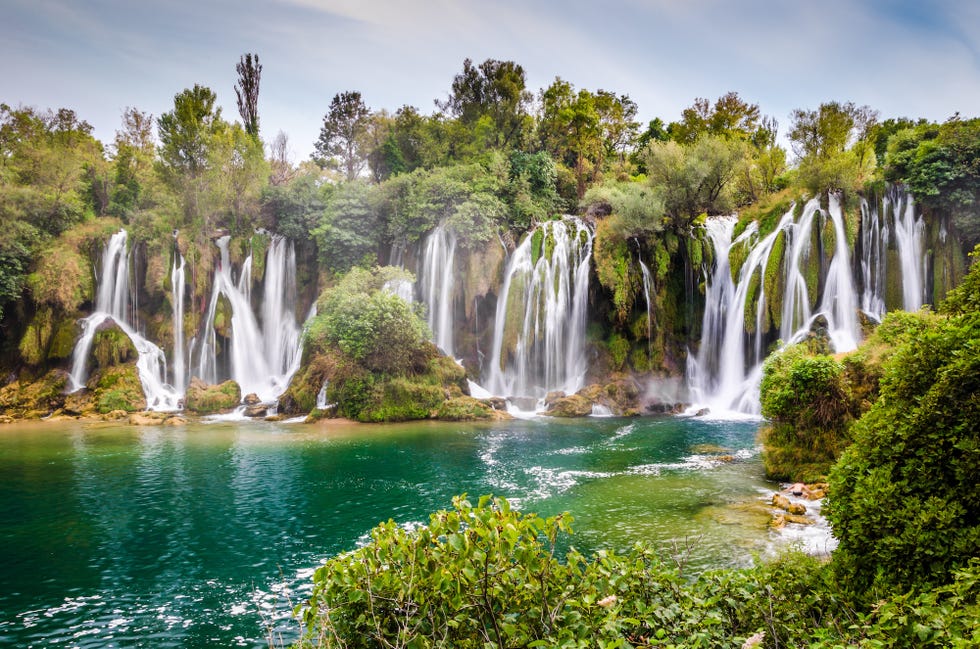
x: 247, y: 92
x: 570, y: 130
x: 731, y: 117
x: 281, y: 168
x: 695, y: 179
x: 133, y: 162
x: 834, y: 144
x: 497, y: 90
x: 342, y: 135
x: 617, y: 123
x: 186, y: 131
x: 348, y: 234
x: 940, y: 163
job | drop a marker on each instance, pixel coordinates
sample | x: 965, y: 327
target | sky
x: 913, y: 58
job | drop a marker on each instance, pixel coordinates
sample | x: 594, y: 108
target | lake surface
x: 207, y: 535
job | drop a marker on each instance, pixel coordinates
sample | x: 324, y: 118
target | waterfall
x: 725, y: 373
x: 263, y: 358
x: 436, y: 280
x: 112, y: 302
x: 177, y: 288
x: 892, y: 227
x: 539, y: 329
x: 647, y: 287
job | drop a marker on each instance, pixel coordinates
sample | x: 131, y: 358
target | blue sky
x: 904, y: 57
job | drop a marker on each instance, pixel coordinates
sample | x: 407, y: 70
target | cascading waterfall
x: 647, y: 287
x: 539, y: 329
x: 177, y: 288
x: 112, y: 302
x: 892, y: 227
x: 436, y: 280
x: 725, y: 373
x: 263, y: 358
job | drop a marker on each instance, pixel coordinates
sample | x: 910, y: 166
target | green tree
x: 834, y: 145
x: 342, y: 137
x: 730, y: 117
x: 52, y: 176
x: 939, y: 164
x: 294, y: 209
x: 495, y: 90
x: 570, y: 130
x: 247, y: 92
x: 695, y: 179
x: 133, y: 162
x: 348, y: 233
x: 186, y: 132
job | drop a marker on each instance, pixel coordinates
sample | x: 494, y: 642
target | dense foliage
x: 487, y: 576
x: 905, y: 505
x: 806, y: 400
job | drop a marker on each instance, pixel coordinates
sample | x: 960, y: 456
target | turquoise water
x: 206, y: 535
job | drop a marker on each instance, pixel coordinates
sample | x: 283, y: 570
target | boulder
x: 204, y: 399
x: 497, y: 403
x: 552, y: 397
x: 251, y: 399
x: 469, y: 409
x: 256, y: 410
x: 572, y: 406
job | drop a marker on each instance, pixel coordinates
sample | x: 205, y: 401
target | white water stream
x: 539, y: 329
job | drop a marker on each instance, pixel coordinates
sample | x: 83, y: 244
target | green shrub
x: 905, y: 503
x: 806, y: 400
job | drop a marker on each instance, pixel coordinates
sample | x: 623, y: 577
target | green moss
x: 402, y: 399
x: 259, y: 245
x: 112, y: 346
x: 751, y: 301
x: 63, y: 341
x: 811, y: 268
x: 618, y: 348
x: 775, y: 280
x: 537, y: 238
x: 222, y: 317
x: 828, y: 236
x: 34, y: 399
x: 640, y: 360
x: 894, y: 292
x: 118, y: 388
x: 33, y: 345
x: 737, y: 255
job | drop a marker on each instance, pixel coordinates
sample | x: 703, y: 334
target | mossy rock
x: 446, y: 372
x: 63, y: 339
x: 574, y: 405
x: 222, y: 317
x: 111, y: 346
x: 752, y: 302
x: 28, y: 399
x: 775, y: 280
x: 205, y: 399
x: 401, y: 399
x: 118, y: 388
x: 466, y: 409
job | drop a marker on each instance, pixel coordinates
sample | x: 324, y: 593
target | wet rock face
x: 204, y: 399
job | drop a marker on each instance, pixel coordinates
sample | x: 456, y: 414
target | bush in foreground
x: 487, y: 576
